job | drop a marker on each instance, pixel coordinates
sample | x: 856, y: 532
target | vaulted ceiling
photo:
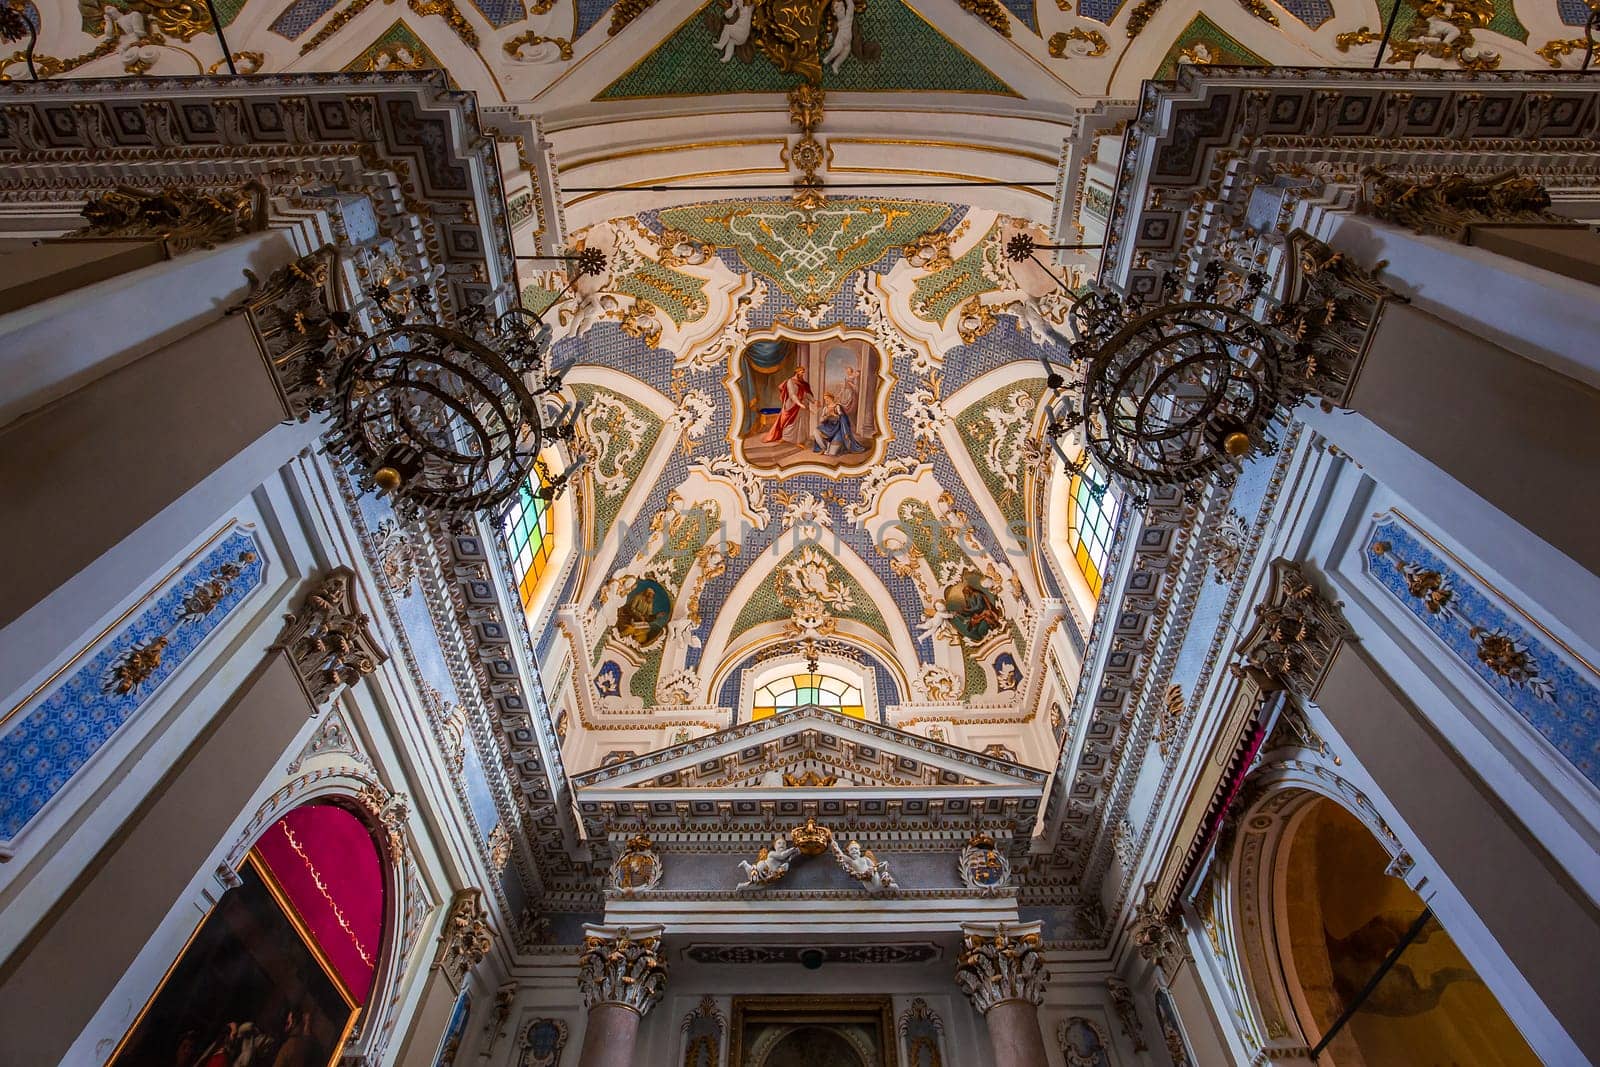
x: 897, y: 535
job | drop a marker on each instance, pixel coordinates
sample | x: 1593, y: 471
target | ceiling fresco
x: 821, y: 436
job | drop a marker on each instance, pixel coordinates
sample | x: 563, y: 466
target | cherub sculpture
x: 771, y: 865
x: 739, y: 14
x: 844, y: 17
x: 863, y: 866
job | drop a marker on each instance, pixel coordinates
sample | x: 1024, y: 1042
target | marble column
x: 1003, y: 973
x: 622, y: 976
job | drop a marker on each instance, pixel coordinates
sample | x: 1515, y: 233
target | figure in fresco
x: 643, y: 616
x: 809, y: 401
x: 974, y: 608
x: 795, y: 395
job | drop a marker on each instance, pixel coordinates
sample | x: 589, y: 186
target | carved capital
x: 1449, y: 205
x: 466, y: 938
x: 622, y: 965
x: 1001, y: 962
x: 328, y: 639
x: 1331, y: 311
x: 298, y: 319
x: 1157, y: 938
x: 183, y: 219
x: 1295, y: 637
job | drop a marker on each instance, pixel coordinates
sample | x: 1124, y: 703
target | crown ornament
x: 811, y: 839
x: 640, y: 843
x: 981, y: 839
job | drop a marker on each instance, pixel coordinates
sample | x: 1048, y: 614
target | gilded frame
x: 875, y: 1011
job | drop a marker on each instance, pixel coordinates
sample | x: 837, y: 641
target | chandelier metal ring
x: 1179, y: 392
x: 438, y: 413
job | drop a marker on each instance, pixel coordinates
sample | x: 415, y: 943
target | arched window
x: 529, y: 530
x: 1091, y: 518
x: 798, y: 690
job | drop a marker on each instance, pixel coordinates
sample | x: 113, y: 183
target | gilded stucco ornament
x: 1001, y: 962
x: 1126, y: 1011
x: 983, y: 866
x: 863, y: 866
x: 1330, y: 314
x: 770, y: 865
x: 1441, y: 29
x: 183, y: 219
x: 638, y: 869
x: 1297, y: 633
x: 466, y: 938
x: 1449, y: 205
x: 329, y: 640
x: 296, y: 315
x: 621, y: 965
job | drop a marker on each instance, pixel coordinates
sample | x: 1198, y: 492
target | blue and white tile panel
x: 48, y: 738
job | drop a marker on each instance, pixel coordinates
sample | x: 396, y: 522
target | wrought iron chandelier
x: 1169, y: 392
x: 448, y: 419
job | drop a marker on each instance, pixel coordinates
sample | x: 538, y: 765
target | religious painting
x: 644, y: 613
x: 542, y: 1043
x: 809, y: 402
x: 975, y: 609
x: 855, y: 1031
x: 250, y: 987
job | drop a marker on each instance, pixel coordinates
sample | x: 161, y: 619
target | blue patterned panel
x: 1100, y: 10
x: 299, y: 17
x: 501, y: 12
x: 1573, y: 12
x: 1555, y: 693
x: 46, y: 744
x: 589, y: 13
x: 1025, y: 12
x: 1311, y: 12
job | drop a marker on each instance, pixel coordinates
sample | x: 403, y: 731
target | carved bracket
x: 329, y: 641
x: 466, y: 938
x: 1295, y: 637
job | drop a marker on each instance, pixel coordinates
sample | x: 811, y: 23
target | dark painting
x: 247, y: 989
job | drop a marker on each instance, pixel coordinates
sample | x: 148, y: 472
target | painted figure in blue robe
x: 833, y: 435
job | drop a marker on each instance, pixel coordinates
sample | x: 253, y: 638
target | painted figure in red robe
x: 794, y: 395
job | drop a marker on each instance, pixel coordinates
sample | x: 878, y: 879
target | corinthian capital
x: 1297, y: 633
x: 330, y: 639
x: 1001, y: 962
x: 621, y: 965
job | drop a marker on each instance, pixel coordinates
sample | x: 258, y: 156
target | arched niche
x: 287, y: 962
x: 1313, y: 898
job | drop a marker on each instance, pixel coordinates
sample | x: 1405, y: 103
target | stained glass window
x: 530, y: 536
x: 1091, y: 518
x: 798, y: 690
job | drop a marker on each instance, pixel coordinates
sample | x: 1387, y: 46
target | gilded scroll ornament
x: 1001, y: 962
x: 1260, y: 10
x: 1441, y: 29
x: 1141, y: 15
x: 622, y: 966
x: 388, y: 811
x: 139, y: 663
x: 184, y: 219
x: 1091, y: 43
x: 466, y: 938
x: 1127, y: 1012
x: 297, y: 318
x: 625, y: 12
x: 329, y: 641
x: 1449, y: 205
x: 1154, y: 935
x: 532, y: 40
x: 1296, y: 634
x: 1330, y: 315
x: 991, y: 12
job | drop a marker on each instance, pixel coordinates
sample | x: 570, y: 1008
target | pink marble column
x: 622, y: 976
x: 1003, y: 974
